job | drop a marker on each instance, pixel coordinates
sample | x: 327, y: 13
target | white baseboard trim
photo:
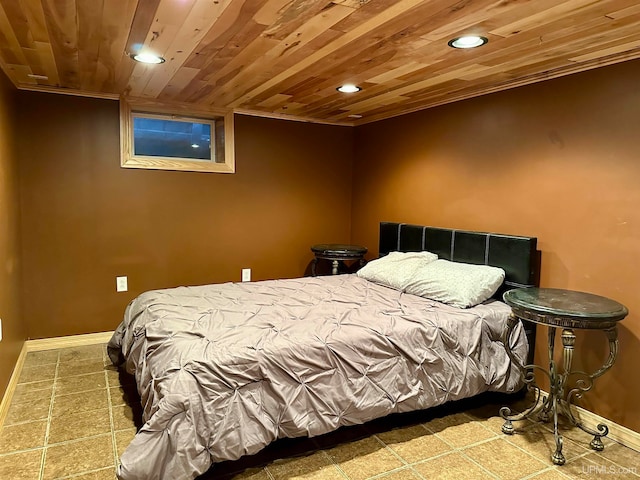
x: 66, y: 342
x: 11, y: 387
x: 38, y: 346
x: 617, y: 433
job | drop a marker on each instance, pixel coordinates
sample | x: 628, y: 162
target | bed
x: 224, y: 370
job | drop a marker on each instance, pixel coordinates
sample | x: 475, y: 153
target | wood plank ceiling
x: 286, y: 57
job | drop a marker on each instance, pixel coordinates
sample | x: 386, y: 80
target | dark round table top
x: 338, y: 249
x: 555, y: 306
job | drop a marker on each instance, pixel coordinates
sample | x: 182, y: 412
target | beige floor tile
x: 551, y: 474
x: 613, y: 469
x: 41, y: 358
x: 459, y: 430
x: 79, y: 425
x: 404, y: 474
x: 81, y: 410
x: 124, y: 418
x: 23, y: 436
x: 87, y: 352
x: 541, y: 443
x: 80, y: 367
x: 579, y: 468
x: 80, y: 402
x: 21, y: 466
x: 623, y: 456
x: 27, y: 388
x: 593, y: 466
x: 104, y: 474
x: 28, y: 412
x: 31, y: 395
x: 414, y: 443
x: 494, y: 424
x: 364, y: 458
x: 113, y: 378
x: 78, y: 457
x: 452, y: 466
x: 316, y: 466
x: 37, y: 373
x: 580, y: 437
x: 574, y: 433
x: 489, y: 417
x: 123, y: 439
x: 80, y: 383
x: 252, y: 474
x: 499, y: 457
x: 118, y: 396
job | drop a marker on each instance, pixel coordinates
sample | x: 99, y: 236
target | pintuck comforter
x: 223, y: 370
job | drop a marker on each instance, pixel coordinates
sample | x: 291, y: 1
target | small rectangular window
x: 160, y: 136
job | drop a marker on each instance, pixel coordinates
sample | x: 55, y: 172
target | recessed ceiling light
x: 468, y: 41
x: 146, y: 58
x: 348, y: 88
x: 194, y: 145
x: 37, y: 77
x: 355, y: 115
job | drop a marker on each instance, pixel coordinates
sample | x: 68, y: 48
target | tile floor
x: 73, y: 414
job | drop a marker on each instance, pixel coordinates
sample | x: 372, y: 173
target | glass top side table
x: 568, y: 310
x: 336, y: 253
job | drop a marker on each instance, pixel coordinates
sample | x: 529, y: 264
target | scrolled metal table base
x: 557, y: 401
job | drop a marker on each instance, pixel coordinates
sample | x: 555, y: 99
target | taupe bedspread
x: 223, y: 370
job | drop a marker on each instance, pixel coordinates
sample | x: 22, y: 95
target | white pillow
x: 396, y: 269
x: 459, y: 284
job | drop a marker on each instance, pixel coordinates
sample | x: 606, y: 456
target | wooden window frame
x: 175, y: 111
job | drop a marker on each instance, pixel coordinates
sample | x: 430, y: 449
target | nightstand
x: 568, y: 310
x: 337, y: 253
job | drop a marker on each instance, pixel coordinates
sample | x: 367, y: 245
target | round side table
x: 336, y: 253
x: 568, y: 310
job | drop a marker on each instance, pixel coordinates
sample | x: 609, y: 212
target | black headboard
x: 516, y: 255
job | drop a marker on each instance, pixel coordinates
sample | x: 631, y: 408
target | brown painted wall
x: 557, y: 160
x: 14, y: 331
x: 86, y: 220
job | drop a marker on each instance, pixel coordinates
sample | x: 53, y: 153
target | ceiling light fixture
x: 37, y: 77
x: 348, y: 88
x: 468, y: 41
x: 146, y: 58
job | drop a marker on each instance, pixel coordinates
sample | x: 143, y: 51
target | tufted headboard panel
x: 516, y: 255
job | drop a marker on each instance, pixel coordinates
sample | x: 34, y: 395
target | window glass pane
x: 155, y: 137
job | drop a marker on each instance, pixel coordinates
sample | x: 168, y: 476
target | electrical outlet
x: 121, y: 284
x: 246, y: 274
